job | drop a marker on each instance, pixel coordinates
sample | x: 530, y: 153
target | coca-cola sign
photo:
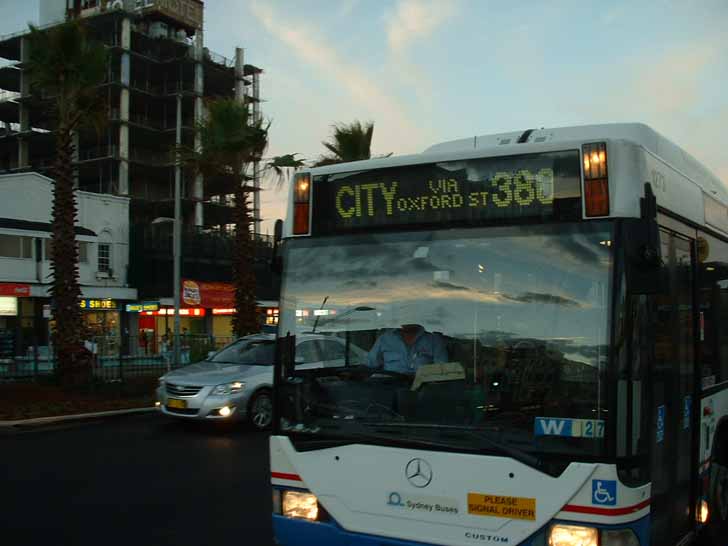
x: 15, y: 289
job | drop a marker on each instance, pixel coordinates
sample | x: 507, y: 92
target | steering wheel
x: 365, y: 372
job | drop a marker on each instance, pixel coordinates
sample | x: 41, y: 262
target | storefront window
x: 104, y: 330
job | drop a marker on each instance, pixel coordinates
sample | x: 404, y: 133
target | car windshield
x: 499, y: 331
x: 259, y: 352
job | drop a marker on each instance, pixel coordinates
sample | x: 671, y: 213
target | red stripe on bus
x: 284, y: 476
x: 606, y: 511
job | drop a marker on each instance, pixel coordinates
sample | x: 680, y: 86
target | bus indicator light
x: 596, y: 179
x: 301, y: 203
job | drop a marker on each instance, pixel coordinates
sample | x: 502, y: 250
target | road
x: 138, y: 480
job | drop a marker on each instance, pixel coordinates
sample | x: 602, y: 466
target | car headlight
x: 229, y: 388
x: 300, y: 505
x: 573, y: 535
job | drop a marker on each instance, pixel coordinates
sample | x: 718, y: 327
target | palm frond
x: 348, y: 142
x: 280, y: 166
x: 67, y: 64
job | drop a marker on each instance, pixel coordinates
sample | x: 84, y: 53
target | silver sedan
x: 236, y: 382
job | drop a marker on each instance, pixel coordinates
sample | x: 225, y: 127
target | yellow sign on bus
x: 482, y: 504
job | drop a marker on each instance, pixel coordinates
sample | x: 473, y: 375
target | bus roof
x: 499, y: 143
x: 639, y: 133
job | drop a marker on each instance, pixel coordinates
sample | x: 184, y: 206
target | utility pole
x: 177, y: 237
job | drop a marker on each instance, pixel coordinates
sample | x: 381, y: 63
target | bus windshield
x: 454, y: 336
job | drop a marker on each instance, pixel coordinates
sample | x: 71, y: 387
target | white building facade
x: 102, y: 232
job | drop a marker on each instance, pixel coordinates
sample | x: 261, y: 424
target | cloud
x: 346, y: 7
x: 417, y: 19
x: 536, y: 297
x: 672, y: 82
x: 450, y: 286
x: 671, y: 88
x: 307, y: 44
x: 409, y: 22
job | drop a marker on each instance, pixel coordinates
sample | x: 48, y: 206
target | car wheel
x: 261, y: 410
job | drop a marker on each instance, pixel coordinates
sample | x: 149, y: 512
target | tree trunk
x: 245, y: 319
x: 71, y: 357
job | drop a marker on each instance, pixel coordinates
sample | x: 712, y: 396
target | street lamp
x: 176, y: 280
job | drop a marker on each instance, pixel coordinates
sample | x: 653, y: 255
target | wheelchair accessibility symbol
x: 604, y: 492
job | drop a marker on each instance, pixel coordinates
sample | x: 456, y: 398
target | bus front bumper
x: 298, y: 532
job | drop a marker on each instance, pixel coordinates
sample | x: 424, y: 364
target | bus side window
x: 713, y: 301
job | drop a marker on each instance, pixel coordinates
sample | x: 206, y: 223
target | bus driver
x: 405, y: 349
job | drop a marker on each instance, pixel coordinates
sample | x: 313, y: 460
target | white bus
x: 536, y: 346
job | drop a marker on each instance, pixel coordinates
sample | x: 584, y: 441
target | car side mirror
x: 299, y: 360
x: 211, y: 354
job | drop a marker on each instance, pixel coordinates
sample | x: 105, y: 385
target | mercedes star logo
x: 418, y: 472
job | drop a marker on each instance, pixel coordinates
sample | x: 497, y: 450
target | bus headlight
x: 300, y: 505
x: 703, y: 512
x: 573, y: 535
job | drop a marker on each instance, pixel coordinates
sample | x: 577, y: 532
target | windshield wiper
x: 505, y: 449
x: 326, y: 441
x: 353, y: 434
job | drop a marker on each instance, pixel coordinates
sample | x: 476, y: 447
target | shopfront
x: 102, y: 320
x: 192, y: 321
x: 16, y: 318
x: 218, y: 301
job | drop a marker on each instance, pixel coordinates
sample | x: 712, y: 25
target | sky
x: 427, y: 71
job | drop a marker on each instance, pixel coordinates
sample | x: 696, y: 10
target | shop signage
x: 208, y: 295
x: 8, y: 306
x: 188, y: 312
x: 15, y: 289
x: 98, y: 305
x: 143, y: 306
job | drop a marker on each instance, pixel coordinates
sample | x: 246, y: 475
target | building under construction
x: 157, y: 59
x: 159, y: 75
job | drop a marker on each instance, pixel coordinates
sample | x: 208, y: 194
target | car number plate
x: 177, y: 404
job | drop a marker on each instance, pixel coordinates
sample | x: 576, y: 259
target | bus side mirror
x: 642, y: 250
x: 276, y: 262
x: 285, y: 356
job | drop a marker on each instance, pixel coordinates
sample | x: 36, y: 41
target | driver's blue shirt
x: 390, y: 352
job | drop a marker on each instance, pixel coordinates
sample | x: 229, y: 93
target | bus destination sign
x: 474, y: 190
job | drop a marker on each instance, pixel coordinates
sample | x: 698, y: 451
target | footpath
x: 40, y: 421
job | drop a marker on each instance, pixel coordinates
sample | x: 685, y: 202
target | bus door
x: 672, y: 379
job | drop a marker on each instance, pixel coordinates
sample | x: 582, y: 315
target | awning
x: 13, y: 223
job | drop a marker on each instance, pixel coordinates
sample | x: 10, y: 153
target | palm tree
x: 65, y: 63
x: 230, y: 142
x: 281, y: 165
x: 349, y: 142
